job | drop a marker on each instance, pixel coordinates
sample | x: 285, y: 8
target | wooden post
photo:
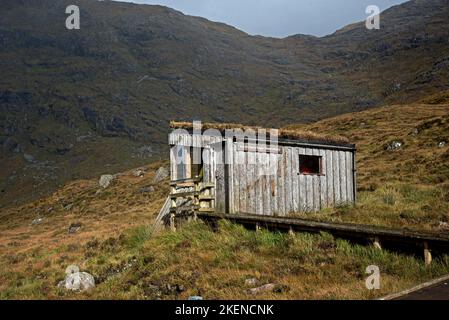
x: 427, y: 254
x: 291, y: 232
x: 376, y: 243
x: 258, y: 227
x: 172, y: 222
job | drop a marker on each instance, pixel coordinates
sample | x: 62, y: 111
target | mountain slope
x: 403, y: 188
x: 77, y: 103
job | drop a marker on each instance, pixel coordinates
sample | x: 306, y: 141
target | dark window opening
x: 309, y: 164
x: 196, y: 157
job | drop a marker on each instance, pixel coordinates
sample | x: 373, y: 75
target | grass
x: 198, y: 261
x: 399, y: 205
x: 407, y: 188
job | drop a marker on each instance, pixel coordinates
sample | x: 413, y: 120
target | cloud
x: 278, y: 18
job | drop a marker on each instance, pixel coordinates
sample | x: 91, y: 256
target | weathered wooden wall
x: 269, y: 183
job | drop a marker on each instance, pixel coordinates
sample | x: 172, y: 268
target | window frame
x: 320, y: 165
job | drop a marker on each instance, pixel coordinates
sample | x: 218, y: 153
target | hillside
x: 406, y: 187
x: 75, y: 104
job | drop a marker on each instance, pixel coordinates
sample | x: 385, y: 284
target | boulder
x: 139, y: 173
x: 74, y: 227
x: 251, y: 282
x: 394, y: 145
x: 264, y: 288
x: 161, y: 174
x: 148, y: 189
x: 77, y: 281
x: 106, y: 180
x: 441, y: 144
x: 28, y: 157
x: 37, y: 221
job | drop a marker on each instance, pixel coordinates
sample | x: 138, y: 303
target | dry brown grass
x: 408, y: 187
x: 404, y: 188
x: 296, y: 133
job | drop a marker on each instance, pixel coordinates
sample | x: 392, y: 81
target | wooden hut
x: 230, y: 168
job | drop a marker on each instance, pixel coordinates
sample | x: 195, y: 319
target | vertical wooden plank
x: 220, y: 195
x: 259, y: 178
x: 316, y: 186
x: 235, y: 180
x: 295, y: 177
x: 288, y: 180
x: 273, y: 183
x: 349, y: 190
x: 343, y: 188
x: 329, y: 178
x: 206, y: 165
x: 243, y: 179
x: 229, y: 173
x: 281, y: 183
x: 336, y: 174
x: 252, y: 188
x: 302, y: 185
x: 266, y: 194
x: 172, y: 163
x: 188, y: 162
x: 323, y: 180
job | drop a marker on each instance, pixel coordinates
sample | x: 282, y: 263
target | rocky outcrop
x: 106, y: 180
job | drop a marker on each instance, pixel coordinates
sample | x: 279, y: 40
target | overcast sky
x: 278, y: 18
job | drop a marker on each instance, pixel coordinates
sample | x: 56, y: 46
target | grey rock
x: 441, y: 144
x: 28, y: 157
x: 139, y: 173
x: 74, y: 227
x: 264, y: 288
x: 37, y: 221
x: 195, y: 298
x: 443, y: 225
x: 161, y: 174
x: 149, y: 189
x: 394, y: 145
x: 78, y: 281
x: 251, y: 282
x: 106, y: 180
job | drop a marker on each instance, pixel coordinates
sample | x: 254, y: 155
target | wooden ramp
x: 376, y: 235
x: 165, y: 210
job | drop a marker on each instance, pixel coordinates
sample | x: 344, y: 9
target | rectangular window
x: 310, y: 164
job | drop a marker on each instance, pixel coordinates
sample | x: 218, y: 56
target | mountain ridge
x: 78, y: 103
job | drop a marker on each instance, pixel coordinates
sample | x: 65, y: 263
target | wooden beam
x: 344, y: 230
x: 427, y: 254
x: 172, y: 222
x: 376, y: 243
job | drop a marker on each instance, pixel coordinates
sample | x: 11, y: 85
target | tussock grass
x: 215, y: 264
